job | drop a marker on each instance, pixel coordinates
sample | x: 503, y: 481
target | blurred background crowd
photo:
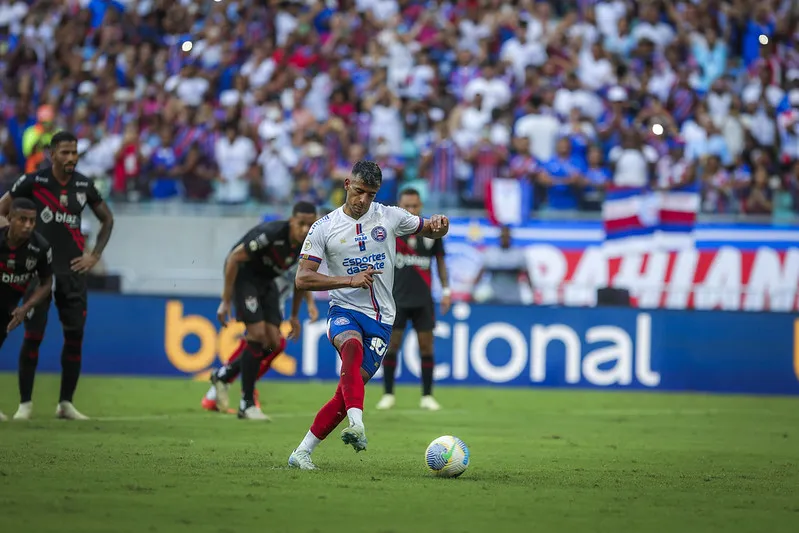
x: 271, y: 101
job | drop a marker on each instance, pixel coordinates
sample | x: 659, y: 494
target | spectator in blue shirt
x: 597, y: 177
x: 562, y: 175
x: 761, y: 24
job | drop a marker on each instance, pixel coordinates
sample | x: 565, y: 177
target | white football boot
x: 67, y: 411
x: 429, y: 403
x: 301, y: 459
x: 386, y: 402
x: 356, y: 436
x: 24, y: 411
x: 253, y: 412
x: 222, y: 398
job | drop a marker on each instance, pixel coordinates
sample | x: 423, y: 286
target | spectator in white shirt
x: 632, y: 162
x: 650, y: 27
x: 540, y: 128
x: 520, y: 53
x: 189, y: 86
x: 277, y: 162
x: 595, y: 69
x: 496, y: 92
x: 235, y: 155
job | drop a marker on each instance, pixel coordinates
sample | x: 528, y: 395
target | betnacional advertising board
x: 529, y: 346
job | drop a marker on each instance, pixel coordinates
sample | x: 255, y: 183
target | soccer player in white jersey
x: 358, y: 242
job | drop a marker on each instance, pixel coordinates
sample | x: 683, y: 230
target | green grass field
x: 547, y: 461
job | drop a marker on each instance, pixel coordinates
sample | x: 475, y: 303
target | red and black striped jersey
x: 19, y: 264
x: 59, y: 207
x: 413, y: 270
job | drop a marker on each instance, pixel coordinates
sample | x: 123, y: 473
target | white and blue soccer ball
x: 447, y: 456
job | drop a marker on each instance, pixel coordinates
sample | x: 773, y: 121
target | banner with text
x: 726, y: 267
x: 475, y: 345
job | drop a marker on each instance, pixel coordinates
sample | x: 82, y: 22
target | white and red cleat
x: 67, y: 411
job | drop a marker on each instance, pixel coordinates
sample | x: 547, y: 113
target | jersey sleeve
x: 313, y: 249
x: 404, y: 222
x: 23, y: 187
x: 44, y: 265
x: 93, y: 196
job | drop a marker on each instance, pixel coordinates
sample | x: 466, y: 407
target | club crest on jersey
x: 81, y: 196
x: 341, y: 321
x: 46, y: 215
x: 379, y: 233
x: 30, y: 263
x: 307, y: 245
x: 11, y: 264
x: 63, y: 200
x: 251, y: 303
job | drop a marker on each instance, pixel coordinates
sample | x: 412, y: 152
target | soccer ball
x: 447, y: 456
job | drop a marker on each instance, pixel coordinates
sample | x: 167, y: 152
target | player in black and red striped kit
x: 24, y: 254
x: 60, y: 195
x: 414, y: 300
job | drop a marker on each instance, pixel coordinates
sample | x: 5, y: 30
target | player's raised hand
x: 439, y: 224
x: 223, y: 313
x: 296, y: 327
x: 364, y: 279
x: 17, y: 316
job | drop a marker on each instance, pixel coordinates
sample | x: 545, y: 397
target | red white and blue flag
x: 630, y: 218
x: 508, y: 201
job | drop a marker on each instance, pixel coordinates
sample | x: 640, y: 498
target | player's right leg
x: 35, y: 325
x: 71, y: 298
x: 345, y: 334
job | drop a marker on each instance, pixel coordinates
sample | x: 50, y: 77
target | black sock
x: 250, y: 362
x: 70, y: 363
x: 230, y: 371
x: 389, y: 369
x: 428, y: 364
x: 28, y: 359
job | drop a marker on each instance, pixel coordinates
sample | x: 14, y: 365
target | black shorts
x: 256, y: 300
x: 71, y: 300
x: 423, y: 317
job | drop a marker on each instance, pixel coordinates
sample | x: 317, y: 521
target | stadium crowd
x: 271, y: 101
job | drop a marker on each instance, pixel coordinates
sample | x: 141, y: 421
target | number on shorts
x: 378, y: 346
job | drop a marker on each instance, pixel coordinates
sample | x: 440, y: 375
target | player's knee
x: 73, y: 335
x: 346, y: 336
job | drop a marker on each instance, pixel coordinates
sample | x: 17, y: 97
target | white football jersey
x: 349, y: 246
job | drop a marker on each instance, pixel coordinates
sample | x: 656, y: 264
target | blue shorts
x: 375, y: 335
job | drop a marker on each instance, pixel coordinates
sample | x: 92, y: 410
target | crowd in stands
x: 235, y: 101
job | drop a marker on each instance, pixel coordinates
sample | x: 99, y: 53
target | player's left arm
x: 434, y: 227
x: 100, y: 209
x: 443, y: 276
x: 44, y: 270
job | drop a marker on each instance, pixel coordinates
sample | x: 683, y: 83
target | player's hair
x: 25, y: 204
x: 62, y: 137
x: 409, y: 191
x: 368, y: 172
x: 303, y: 208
